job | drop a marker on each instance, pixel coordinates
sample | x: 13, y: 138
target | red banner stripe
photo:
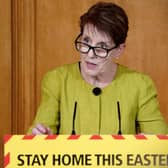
x: 140, y: 137
x: 6, y: 138
x: 50, y: 137
x: 73, y: 137
x: 119, y: 137
x: 6, y: 160
x: 96, y: 137
x: 162, y: 137
x: 28, y: 137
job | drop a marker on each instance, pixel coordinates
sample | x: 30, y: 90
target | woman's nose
x: 91, y: 53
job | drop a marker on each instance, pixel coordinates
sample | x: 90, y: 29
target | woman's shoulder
x: 62, y: 70
x: 61, y: 74
x: 56, y: 76
x: 134, y: 76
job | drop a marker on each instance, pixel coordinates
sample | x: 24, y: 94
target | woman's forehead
x: 92, y: 32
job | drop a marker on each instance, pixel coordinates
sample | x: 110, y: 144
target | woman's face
x: 91, y: 64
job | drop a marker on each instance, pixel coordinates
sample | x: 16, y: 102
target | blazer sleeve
x: 149, y: 117
x: 48, y: 111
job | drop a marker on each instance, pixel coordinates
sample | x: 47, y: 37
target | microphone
x: 96, y: 91
x: 73, y: 121
x: 119, y: 118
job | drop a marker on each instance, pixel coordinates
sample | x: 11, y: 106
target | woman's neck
x: 103, y: 79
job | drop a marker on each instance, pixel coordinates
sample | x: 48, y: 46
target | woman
x: 97, y: 95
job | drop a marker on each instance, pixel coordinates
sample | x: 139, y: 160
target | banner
x: 88, y: 151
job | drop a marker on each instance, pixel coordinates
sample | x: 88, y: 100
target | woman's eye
x: 86, y: 40
x: 103, y: 46
x: 100, y: 50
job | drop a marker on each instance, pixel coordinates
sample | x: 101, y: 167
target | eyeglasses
x: 98, y: 51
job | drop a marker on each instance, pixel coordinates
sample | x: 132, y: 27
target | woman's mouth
x: 90, y: 65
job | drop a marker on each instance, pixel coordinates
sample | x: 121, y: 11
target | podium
x: 88, y: 151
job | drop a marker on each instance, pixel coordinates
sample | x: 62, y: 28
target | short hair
x: 109, y: 18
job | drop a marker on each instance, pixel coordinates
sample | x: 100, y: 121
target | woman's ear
x: 119, y: 50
